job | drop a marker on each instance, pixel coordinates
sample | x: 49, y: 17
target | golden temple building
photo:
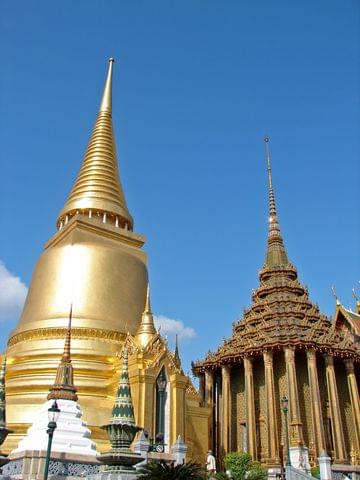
x: 284, y: 347
x: 95, y: 262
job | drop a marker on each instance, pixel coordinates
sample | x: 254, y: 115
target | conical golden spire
x: 97, y: 189
x: 146, y: 328
x: 276, y: 254
x: 64, y: 387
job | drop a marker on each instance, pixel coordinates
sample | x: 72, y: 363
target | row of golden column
x: 340, y: 455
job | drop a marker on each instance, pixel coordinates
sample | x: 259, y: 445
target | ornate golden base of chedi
x: 94, y: 262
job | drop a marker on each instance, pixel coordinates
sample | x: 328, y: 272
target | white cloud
x: 12, y: 294
x: 172, y: 327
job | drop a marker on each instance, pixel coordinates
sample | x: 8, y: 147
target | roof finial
x: 335, y: 295
x: 106, y: 101
x: 177, y: 345
x: 354, y: 295
x: 268, y: 158
x: 276, y: 254
x: 147, y: 302
x: 357, y: 301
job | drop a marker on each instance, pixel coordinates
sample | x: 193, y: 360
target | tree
x: 238, y: 464
x: 256, y: 472
x: 243, y: 468
x: 166, y: 471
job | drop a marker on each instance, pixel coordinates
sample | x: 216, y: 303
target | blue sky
x: 197, y: 85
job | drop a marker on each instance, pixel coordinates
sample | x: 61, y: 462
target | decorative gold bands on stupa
x: 97, y: 189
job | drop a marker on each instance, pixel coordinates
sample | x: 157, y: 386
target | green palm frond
x: 165, y: 471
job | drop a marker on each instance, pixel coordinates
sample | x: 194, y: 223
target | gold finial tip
x: 111, y: 60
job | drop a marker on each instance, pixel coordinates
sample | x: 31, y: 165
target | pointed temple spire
x: 146, y: 328
x: 97, y: 189
x: 276, y: 253
x: 64, y: 387
x: 123, y: 410
x: 176, y: 353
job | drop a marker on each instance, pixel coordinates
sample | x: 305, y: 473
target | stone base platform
x: 125, y: 475
x: 30, y: 465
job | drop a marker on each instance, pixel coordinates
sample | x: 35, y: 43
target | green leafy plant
x: 315, y: 472
x: 242, y: 467
x: 256, y: 472
x: 238, y: 464
x: 166, y: 471
x: 221, y: 476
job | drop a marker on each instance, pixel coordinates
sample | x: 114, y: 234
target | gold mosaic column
x: 336, y: 423
x: 272, y: 430
x: 209, y: 402
x: 209, y: 388
x: 296, y: 433
x: 178, y: 383
x: 202, y: 388
x: 354, y: 398
x: 250, y: 408
x: 317, y: 418
x: 225, y: 373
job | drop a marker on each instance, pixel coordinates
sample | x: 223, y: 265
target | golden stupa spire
x: 276, y: 254
x: 146, y: 328
x: 97, y: 190
x: 64, y: 387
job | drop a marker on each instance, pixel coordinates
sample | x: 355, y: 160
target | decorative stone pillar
x: 336, y: 423
x: 272, y: 429
x: 225, y: 440
x: 299, y: 454
x: 250, y: 408
x: 179, y: 450
x: 317, y: 417
x: 354, y: 398
x: 325, y: 467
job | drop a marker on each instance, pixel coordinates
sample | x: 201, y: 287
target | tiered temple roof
x: 281, y: 313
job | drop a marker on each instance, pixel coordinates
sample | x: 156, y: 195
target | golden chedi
x: 95, y: 263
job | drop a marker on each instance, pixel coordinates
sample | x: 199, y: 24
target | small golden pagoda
x: 284, y: 346
x: 95, y: 263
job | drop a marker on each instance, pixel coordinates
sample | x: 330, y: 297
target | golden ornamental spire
x: 146, y: 328
x: 97, y: 190
x: 276, y: 254
x: 64, y: 387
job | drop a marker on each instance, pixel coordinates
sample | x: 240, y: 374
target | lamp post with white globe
x: 53, y: 415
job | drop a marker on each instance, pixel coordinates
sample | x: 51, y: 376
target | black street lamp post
x: 285, y: 409
x: 53, y: 414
